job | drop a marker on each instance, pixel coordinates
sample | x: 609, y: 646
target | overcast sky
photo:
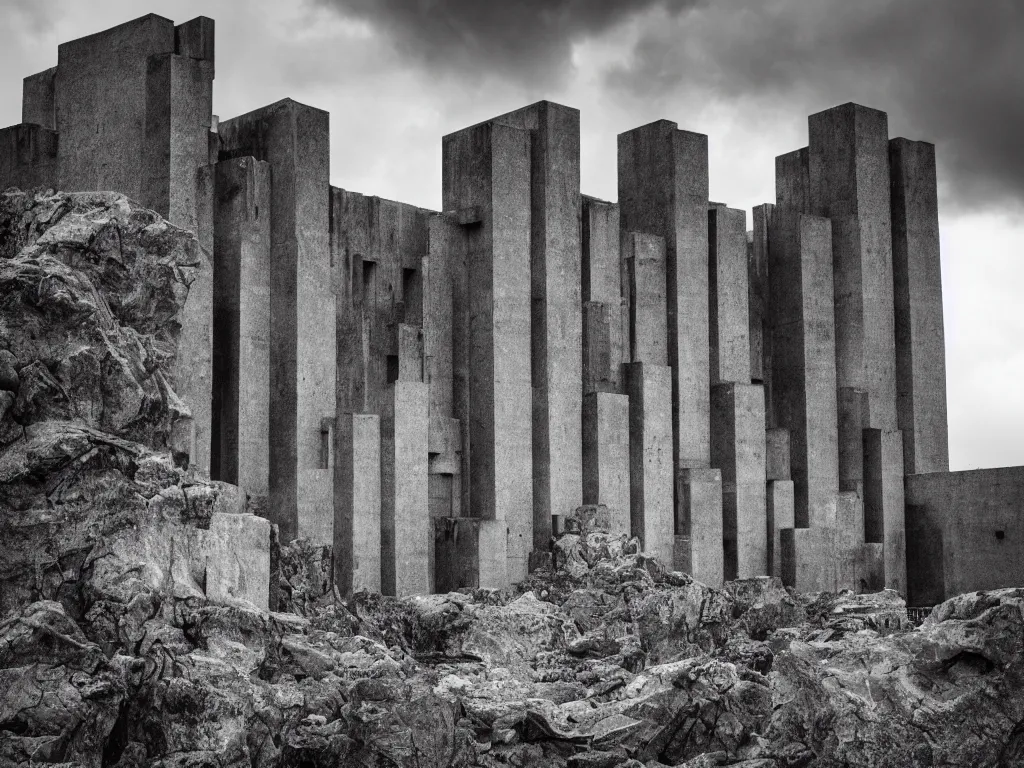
x: 396, y: 75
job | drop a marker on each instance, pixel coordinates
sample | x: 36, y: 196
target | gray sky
x: 396, y: 75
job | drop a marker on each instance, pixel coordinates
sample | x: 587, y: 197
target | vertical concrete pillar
x: 700, y: 494
x: 663, y: 190
x: 849, y: 540
x: 241, y: 325
x: 777, y: 454
x: 757, y: 288
x: 555, y: 265
x: 444, y: 242
x: 406, y: 530
x: 357, y: 520
x: 294, y: 139
x: 643, y: 257
x: 884, y: 506
x: 602, y: 279
x: 780, y: 516
x: 597, y: 373
x: 803, y: 359
x: 849, y: 183
x: 738, y: 449
x: 728, y: 296
x: 487, y: 168
x: 917, y: 278
x: 650, y: 459
x: 809, y: 559
x: 37, y: 99
x: 606, y: 457
x: 853, y: 408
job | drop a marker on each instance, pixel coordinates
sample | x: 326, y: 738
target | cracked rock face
x: 116, y: 650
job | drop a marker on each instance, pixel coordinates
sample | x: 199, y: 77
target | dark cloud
x: 947, y: 71
x: 525, y: 41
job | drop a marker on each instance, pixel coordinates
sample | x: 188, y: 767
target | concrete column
x: 555, y: 265
x: 780, y: 516
x: 849, y: 540
x: 853, y: 407
x: 663, y: 190
x: 444, y: 242
x: 37, y: 99
x: 357, y: 518
x: 777, y: 454
x: 803, y: 359
x: 738, y: 449
x: 728, y: 296
x: 849, y: 183
x: 650, y: 459
x: 808, y: 558
x: 757, y: 288
x: 487, y: 168
x: 294, y: 139
x: 606, y: 457
x: 602, y: 279
x: 597, y: 374
x: 917, y: 278
x: 884, y: 507
x: 405, y: 520
x: 700, y: 494
x: 643, y: 258
x: 241, y: 325
x: 349, y: 244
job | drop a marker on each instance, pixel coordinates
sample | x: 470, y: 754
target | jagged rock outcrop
x: 115, y: 650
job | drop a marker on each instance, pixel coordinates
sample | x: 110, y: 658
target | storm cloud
x: 947, y: 71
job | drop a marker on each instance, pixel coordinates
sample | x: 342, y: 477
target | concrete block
x: 643, y: 259
x: 792, y: 181
x: 597, y: 373
x: 37, y: 99
x: 237, y: 552
x: 849, y: 539
x: 294, y: 139
x: 357, y: 518
x: 602, y: 278
x: 779, y: 507
x: 803, y: 359
x: 777, y: 466
x: 884, y: 505
x: 738, y: 449
x: 28, y: 157
x: 195, y: 38
x: 663, y: 190
x: 410, y: 353
x: 853, y: 407
x: 849, y: 183
x: 489, y: 165
x: 757, y: 291
x: 917, y: 290
x: 699, y: 517
x: 606, y: 456
x: 240, y: 420
x: 493, y: 555
x: 650, y: 459
x: 444, y: 244
x: 405, y: 519
x: 728, y: 296
x: 808, y: 559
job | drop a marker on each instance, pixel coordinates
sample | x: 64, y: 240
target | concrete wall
x: 963, y: 532
x: 28, y: 157
x: 294, y: 140
x: 357, y: 520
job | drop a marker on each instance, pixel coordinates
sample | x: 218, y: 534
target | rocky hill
x: 122, y: 643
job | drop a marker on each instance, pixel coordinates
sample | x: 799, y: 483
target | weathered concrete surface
x: 406, y: 531
x: 917, y: 283
x: 777, y: 465
x: 357, y: 510
x: 28, y: 157
x: 803, y: 358
x: 456, y: 552
x: 556, y: 321
x: 606, y: 457
x: 488, y: 167
x: 37, y: 99
x: 663, y: 190
x: 643, y: 259
x: 849, y: 540
x: 884, y: 505
x: 853, y: 410
x: 240, y: 451
x: 294, y: 139
x: 759, y: 308
x: 848, y: 160
x: 597, y: 365
x: 652, y: 479
x: 728, y: 296
x: 809, y: 558
x: 779, y: 511
x: 738, y: 449
x: 699, y: 518
x: 602, y: 279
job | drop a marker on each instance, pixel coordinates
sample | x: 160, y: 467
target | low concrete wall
x: 964, y: 532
